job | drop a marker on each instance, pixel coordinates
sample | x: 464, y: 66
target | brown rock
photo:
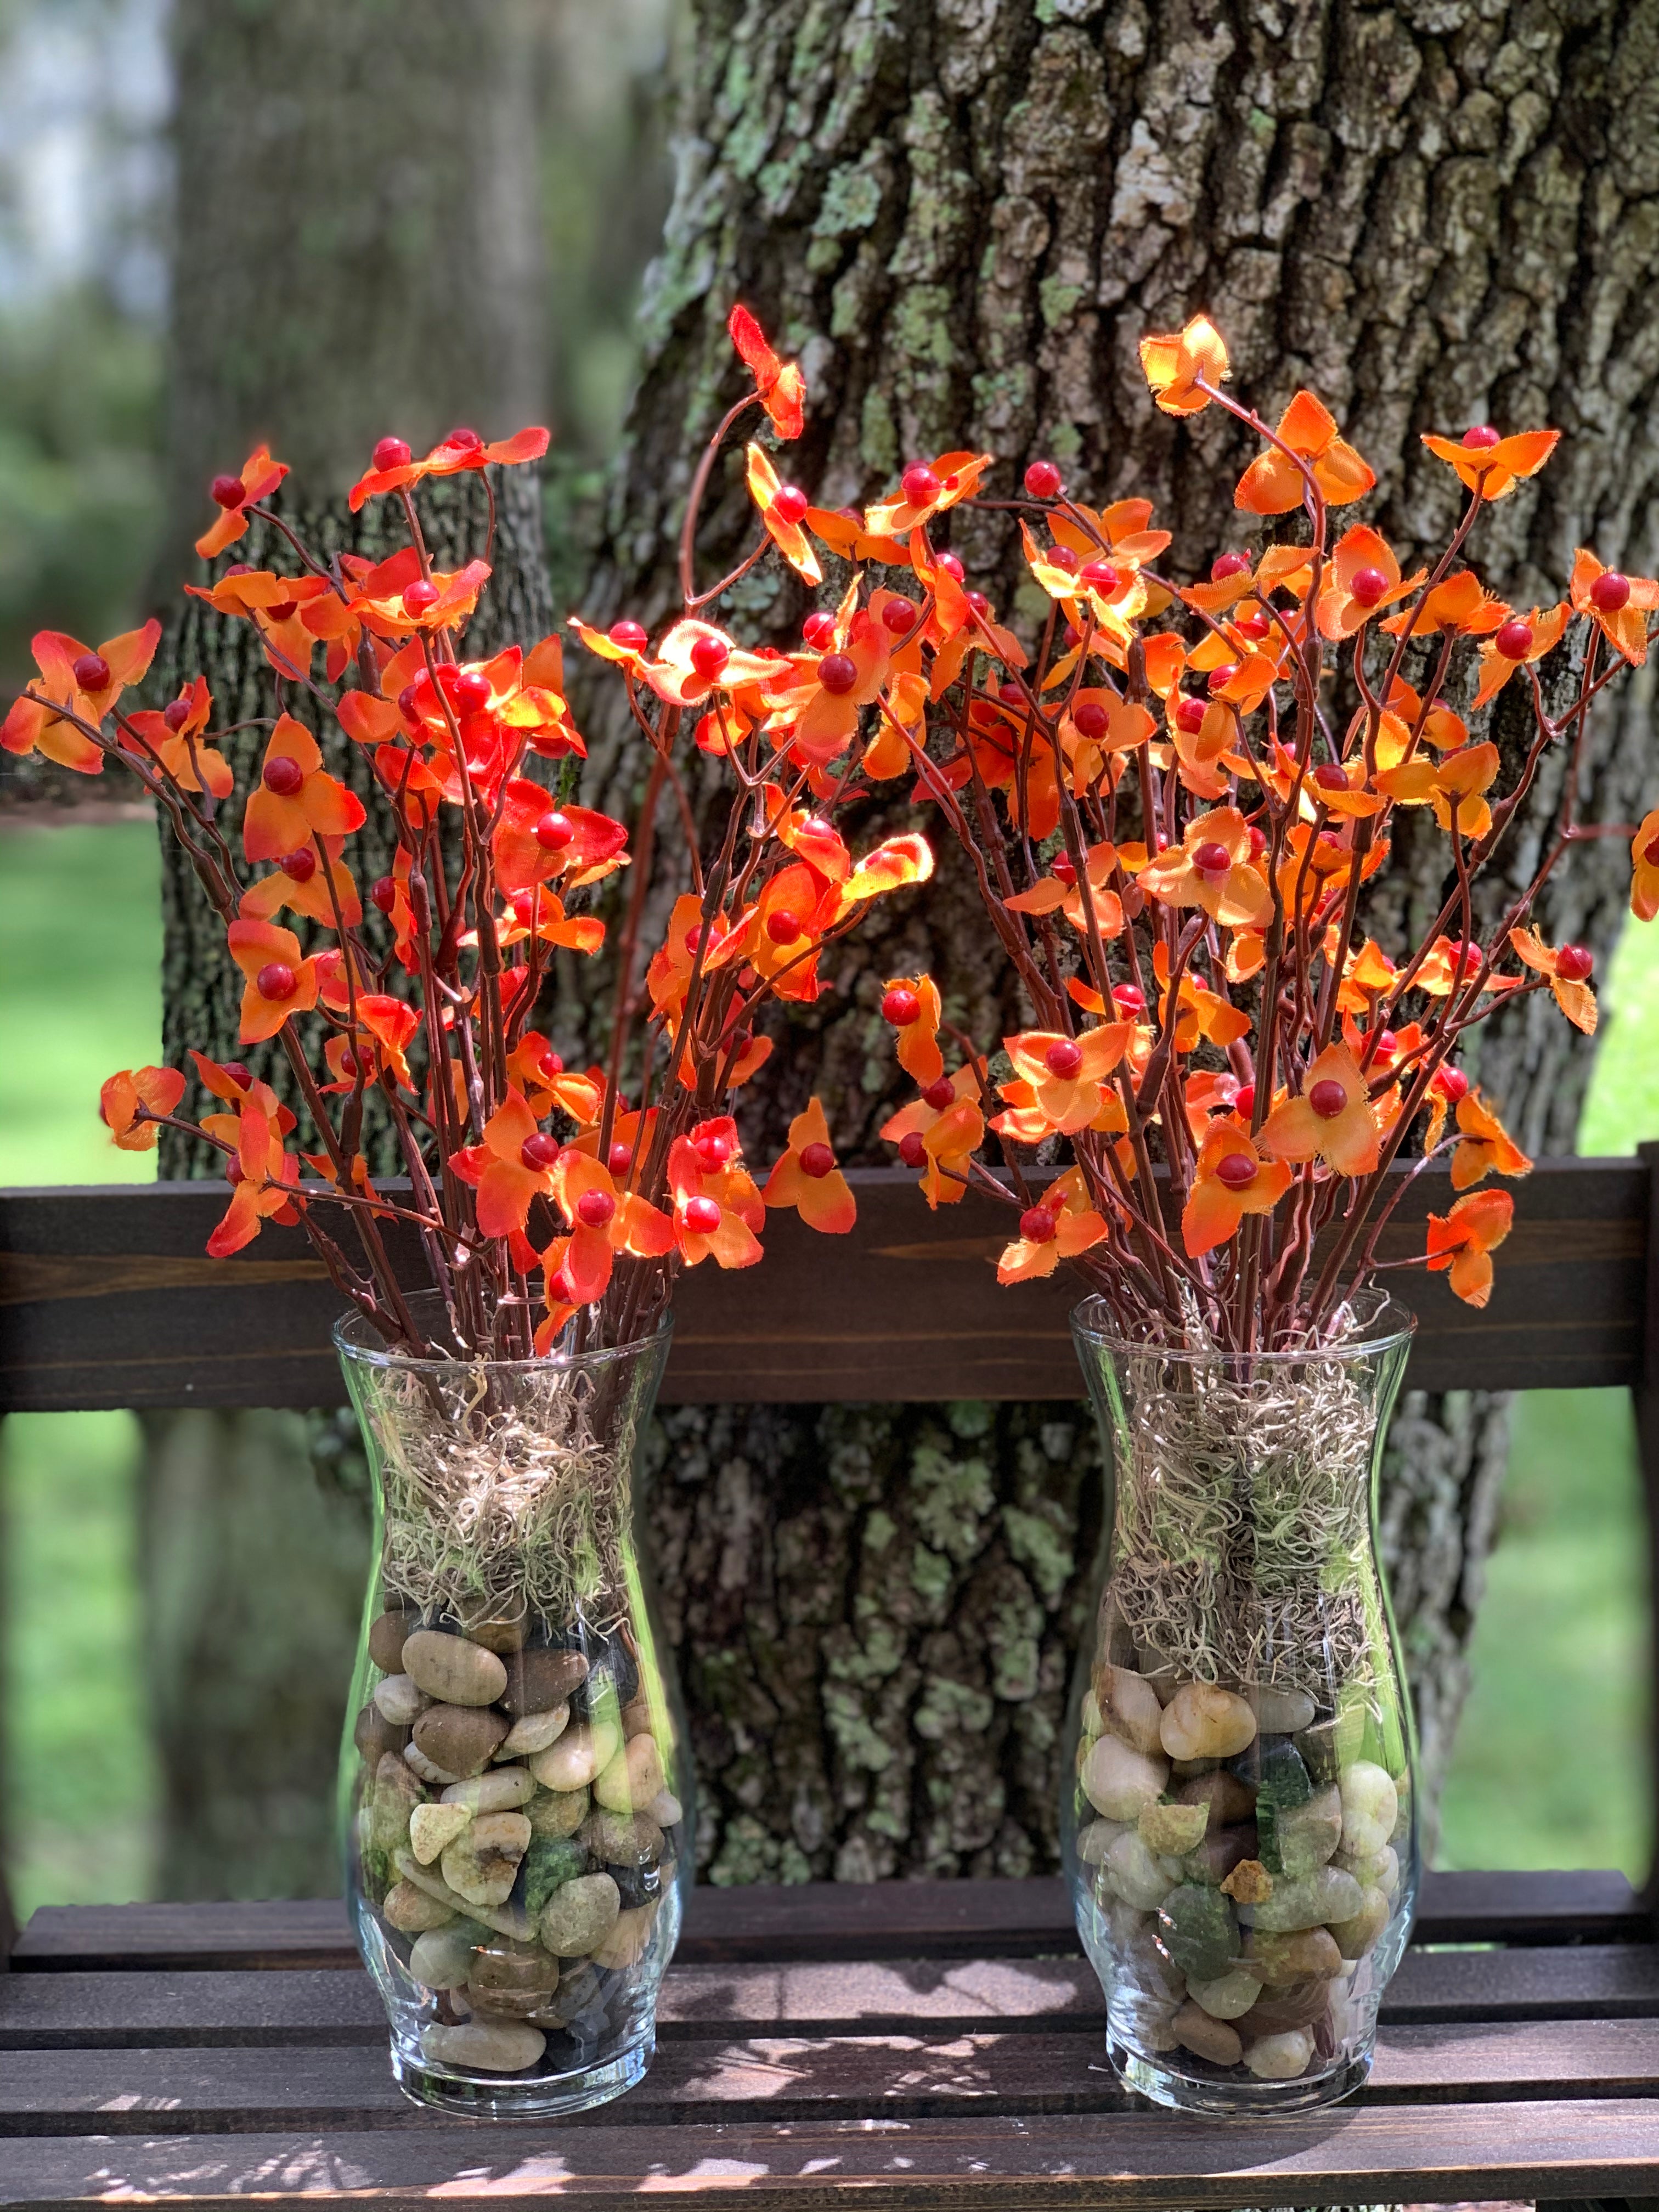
x: 503, y: 1633
x: 375, y: 1735
x: 1209, y: 2038
x: 1227, y: 1799
x: 459, y: 1738
x: 636, y: 1718
x: 539, y: 1680
x: 1218, y: 1855
x: 387, y: 1635
x: 1298, y: 2006
x: 1309, y: 1955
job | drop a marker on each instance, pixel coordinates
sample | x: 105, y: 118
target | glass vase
x: 515, y: 1785
x: 1238, y: 1828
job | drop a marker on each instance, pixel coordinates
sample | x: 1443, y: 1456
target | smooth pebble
x: 1095, y: 1838
x: 1309, y: 1900
x: 482, y: 1865
x: 539, y: 1680
x: 386, y: 1638
x: 1282, y: 1712
x: 578, y: 1757
x: 579, y: 1915
x: 1309, y: 1955
x: 1360, y: 1931
x: 1229, y: 1997
x: 459, y: 1738
x: 1281, y: 2057
x: 1203, y: 1721
x: 399, y: 1700
x: 1134, y: 1875
x: 433, y: 1828
x: 453, y: 1670
x: 632, y: 1779
x: 555, y: 1813
x: 1197, y: 2031
x: 504, y: 1790
x: 1370, y: 1806
x: 626, y: 1944
x: 1129, y: 1706
x: 411, y: 1910
x: 534, y: 1732
x: 428, y: 1769
x: 1173, y: 1829
x: 1119, y: 1781
x: 494, y: 2046
x: 439, y: 1960
x: 1305, y: 1836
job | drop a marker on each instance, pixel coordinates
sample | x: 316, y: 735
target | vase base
x: 1177, y: 2082
x: 510, y: 2097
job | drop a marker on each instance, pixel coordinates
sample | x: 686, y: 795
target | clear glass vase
x: 1238, y: 1828
x: 515, y: 1785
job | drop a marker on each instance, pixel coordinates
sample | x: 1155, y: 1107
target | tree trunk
x: 357, y: 255
x: 962, y: 217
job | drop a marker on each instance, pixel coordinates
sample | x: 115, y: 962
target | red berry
x: 838, y: 672
x: 1514, y: 640
x: 1650, y: 853
x: 1367, y: 587
x: 1479, y: 436
x: 952, y: 565
x: 816, y: 826
x: 524, y: 907
x: 784, y: 927
x: 238, y: 1073
x: 1452, y: 1085
x: 472, y: 693
x: 594, y: 1208
x: 420, y: 597
x: 713, y: 1149
x: 1238, y: 1171
x: 1212, y: 858
x: 898, y: 615
x: 1329, y: 777
x: 1229, y: 564
x: 1574, y: 962
x: 1258, y: 841
x: 817, y: 1160
x: 920, y: 484
x: 1010, y: 693
x: 819, y: 630
x: 550, y: 1065
x: 538, y: 1152
x: 1090, y: 719
x: 176, y: 713
x: 1036, y: 1225
x: 1244, y: 1100
x: 391, y: 453
x: 1061, y: 556
x: 1099, y: 576
x: 282, y: 611
x: 299, y: 866
x: 941, y: 1095
x: 411, y: 699
x: 464, y: 440
x: 228, y: 491
x: 630, y: 636
x: 91, y: 673
x: 276, y: 981
x: 702, y: 1216
x: 283, y: 774
x: 447, y: 677
x: 1189, y: 716
x: 1328, y: 1098
x: 239, y: 568
x: 1610, y: 591
x: 561, y: 1291
x: 709, y: 656
x: 555, y: 831
x: 1042, y: 480
x: 1222, y: 676
x: 978, y: 604
x: 1063, y: 872
x: 1387, y: 1044
x: 1129, y: 999
x: 620, y: 1157
x: 789, y: 504
x: 383, y: 893
x: 1063, y: 1059
x: 900, y: 1006
x: 912, y: 1151
x: 1255, y: 627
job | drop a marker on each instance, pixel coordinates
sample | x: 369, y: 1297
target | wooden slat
x: 1142, y: 2162
x: 110, y: 1302
x: 811, y: 1920
x: 159, y: 2010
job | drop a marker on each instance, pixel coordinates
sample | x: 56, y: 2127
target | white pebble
x: 534, y: 1733
x: 1281, y: 2057
x: 1130, y: 1708
x: 1370, y: 1806
x: 1230, y: 1997
x: 494, y: 2046
x: 1096, y: 1839
x: 1134, y: 1875
x: 426, y: 1768
x: 399, y: 1701
x: 433, y: 1828
x: 1203, y: 1721
x: 440, y: 1958
x: 503, y: 1791
x: 1119, y: 1780
x: 665, y: 1809
x: 1283, y: 1712
x: 579, y: 1754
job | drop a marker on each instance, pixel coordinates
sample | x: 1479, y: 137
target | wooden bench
x: 934, y: 2043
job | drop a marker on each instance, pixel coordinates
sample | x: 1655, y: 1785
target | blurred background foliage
x: 84, y: 98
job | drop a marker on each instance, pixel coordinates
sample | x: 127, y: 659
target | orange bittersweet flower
x: 782, y: 506
x: 85, y: 683
x: 604, y: 1221
x: 1365, y: 578
x: 1062, y: 1224
x: 718, y: 1211
x: 1645, y: 868
x: 911, y: 1005
x: 512, y: 1166
x: 1485, y: 1147
x: 1273, y: 484
x: 1516, y: 644
x: 296, y: 799
x: 234, y: 495
x: 172, y: 740
x: 1067, y: 1073
x: 1568, y: 967
x: 1231, y: 1179
x: 780, y: 384
x: 264, y: 1174
x: 1173, y: 364
x: 807, y: 1177
x: 1615, y: 603
x: 394, y: 467
x: 1493, y: 465
x: 1461, y: 1243
x: 927, y: 488
x: 1212, y: 868
x: 1331, y: 1119
x: 939, y: 1133
x: 128, y: 1102
x: 278, y: 981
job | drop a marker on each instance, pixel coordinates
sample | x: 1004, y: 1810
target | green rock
x: 1329, y: 1746
x: 1311, y: 1899
x: 1282, y: 1786
x: 1198, y: 1930
x: 548, y: 1865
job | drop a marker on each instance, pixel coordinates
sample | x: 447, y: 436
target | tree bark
x: 357, y: 255
x: 962, y: 215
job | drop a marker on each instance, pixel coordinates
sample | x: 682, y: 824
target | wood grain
x: 109, y: 1302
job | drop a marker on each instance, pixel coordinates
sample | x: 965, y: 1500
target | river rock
x: 1329, y: 1746
x: 1219, y: 1856
x: 513, y: 1979
x: 579, y: 1915
x: 1281, y: 2057
x: 375, y: 1735
x: 387, y: 1635
x: 1129, y: 1706
x: 578, y: 1989
x: 1225, y: 1799
x: 1203, y: 1721
x: 459, y: 1738
x: 548, y: 1866
x: 625, y: 1946
x: 1281, y: 1712
x: 1308, y: 1955
x: 1095, y: 1839
x: 397, y: 1793
x: 1143, y: 1964
x: 636, y: 1884
x: 504, y: 1790
x: 1198, y: 1930
x: 1132, y: 1874
x: 1305, y: 1836
x: 1120, y: 1781
x: 636, y: 1719
x: 1228, y: 1998
x: 633, y: 1778
x: 428, y: 1769
x: 493, y: 2046
x: 1282, y: 1785
x: 1373, y: 1869
x: 555, y: 1813
x: 1361, y: 1930
x: 1300, y: 2005
x: 621, y: 1838
x: 578, y: 1757
x: 439, y: 1960
x: 665, y: 1809
x: 433, y: 1828
x: 1308, y: 1899
x: 500, y: 1632
x: 482, y: 1864
x: 1197, y: 2031
x: 411, y: 1910
x: 534, y: 1732
x: 399, y: 1701
x: 453, y: 1670
x: 539, y: 1680
x: 1370, y: 1806
x: 1173, y: 1829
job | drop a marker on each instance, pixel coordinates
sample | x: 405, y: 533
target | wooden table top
x: 936, y: 2042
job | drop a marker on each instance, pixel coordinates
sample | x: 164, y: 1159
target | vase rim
x: 1381, y: 1323
x: 359, y: 1343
